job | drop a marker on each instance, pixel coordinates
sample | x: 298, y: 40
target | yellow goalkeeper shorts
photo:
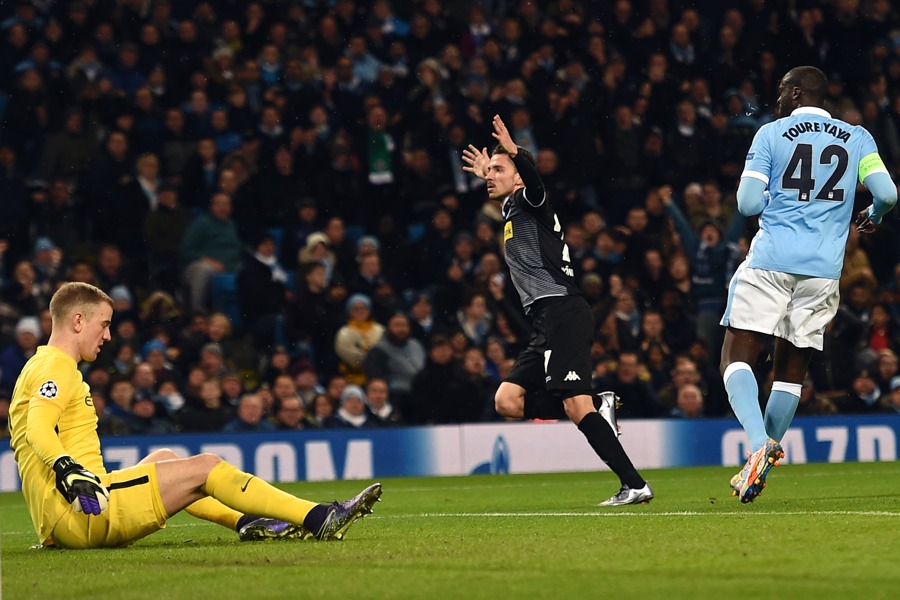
x: 135, y: 511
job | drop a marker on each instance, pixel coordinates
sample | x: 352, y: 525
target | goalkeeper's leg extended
x: 211, y: 488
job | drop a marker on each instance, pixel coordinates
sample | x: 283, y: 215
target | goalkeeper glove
x: 81, y: 488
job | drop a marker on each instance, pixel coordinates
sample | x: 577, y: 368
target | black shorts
x: 558, y: 356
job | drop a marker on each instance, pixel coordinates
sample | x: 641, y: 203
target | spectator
x: 163, y: 229
x: 864, y: 396
x: 22, y: 292
x: 356, y: 338
x: 885, y: 369
x: 306, y: 382
x: 474, y: 319
x: 369, y: 281
x: 232, y: 388
x: 290, y: 414
x: 321, y: 415
x: 112, y: 270
x: 155, y: 354
x: 210, y: 246
x: 441, y: 391
x: 814, y: 404
x: 396, y: 358
x: 683, y: 373
x: 144, y: 419
x: 283, y: 387
x: 57, y: 216
x: 212, y: 361
x: 112, y: 167
x: 689, y: 404
x: 108, y: 424
x: 144, y: 380
x: 169, y: 398
x: 833, y: 368
x: 893, y: 399
x: 209, y: 415
x: 121, y: 395
x: 421, y: 313
x: 283, y: 186
x: 262, y: 291
x: 70, y: 153
x: 176, y: 147
x: 136, y: 199
x: 123, y: 304
x: 352, y: 408
x: 711, y: 251
x: 314, y: 315
x: 317, y: 250
x: 622, y: 326
x: 298, y: 226
x: 14, y: 356
x: 638, y: 399
x: 249, y: 417
x: 475, y: 366
x: 382, y: 410
x: 199, y: 177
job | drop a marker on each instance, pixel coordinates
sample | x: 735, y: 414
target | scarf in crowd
x: 355, y: 420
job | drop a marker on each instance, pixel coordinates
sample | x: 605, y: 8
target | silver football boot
x: 627, y: 495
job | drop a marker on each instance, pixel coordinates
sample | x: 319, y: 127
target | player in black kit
x: 551, y: 378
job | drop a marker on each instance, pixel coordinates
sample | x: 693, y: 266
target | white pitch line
x: 798, y: 513
x: 814, y: 513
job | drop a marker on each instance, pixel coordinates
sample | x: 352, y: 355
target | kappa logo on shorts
x: 48, y: 389
x: 572, y: 376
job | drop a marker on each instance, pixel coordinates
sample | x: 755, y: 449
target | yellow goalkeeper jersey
x: 51, y: 414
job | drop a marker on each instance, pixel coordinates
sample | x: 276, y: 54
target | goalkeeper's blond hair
x: 76, y: 295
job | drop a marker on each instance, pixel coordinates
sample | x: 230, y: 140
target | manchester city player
x: 800, y: 177
x: 75, y: 502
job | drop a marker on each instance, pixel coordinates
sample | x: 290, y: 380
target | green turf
x: 818, y: 531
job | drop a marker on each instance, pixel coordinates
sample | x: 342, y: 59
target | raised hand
x: 477, y: 162
x: 501, y: 134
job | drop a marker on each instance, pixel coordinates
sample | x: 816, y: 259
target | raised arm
x: 477, y: 162
x: 689, y: 239
x: 534, y: 187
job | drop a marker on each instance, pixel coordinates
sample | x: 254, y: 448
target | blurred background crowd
x: 272, y: 194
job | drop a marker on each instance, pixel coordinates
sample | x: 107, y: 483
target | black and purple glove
x: 81, y: 488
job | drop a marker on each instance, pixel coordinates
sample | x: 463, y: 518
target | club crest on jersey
x: 48, y: 390
x: 507, y: 232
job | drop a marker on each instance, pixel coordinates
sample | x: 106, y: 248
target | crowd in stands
x: 271, y: 192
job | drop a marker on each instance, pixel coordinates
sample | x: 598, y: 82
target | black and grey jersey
x: 537, y: 256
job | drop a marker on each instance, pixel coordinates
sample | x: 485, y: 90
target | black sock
x: 244, y: 520
x: 315, y: 518
x: 607, y: 446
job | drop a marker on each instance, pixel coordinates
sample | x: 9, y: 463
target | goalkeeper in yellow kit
x: 75, y: 503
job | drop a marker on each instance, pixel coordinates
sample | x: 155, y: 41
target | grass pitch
x: 818, y: 531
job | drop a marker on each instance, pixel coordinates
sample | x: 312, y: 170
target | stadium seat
x: 354, y: 232
x: 277, y: 234
x: 415, y: 232
x: 223, y: 289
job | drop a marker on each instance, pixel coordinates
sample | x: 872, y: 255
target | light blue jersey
x: 811, y: 164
